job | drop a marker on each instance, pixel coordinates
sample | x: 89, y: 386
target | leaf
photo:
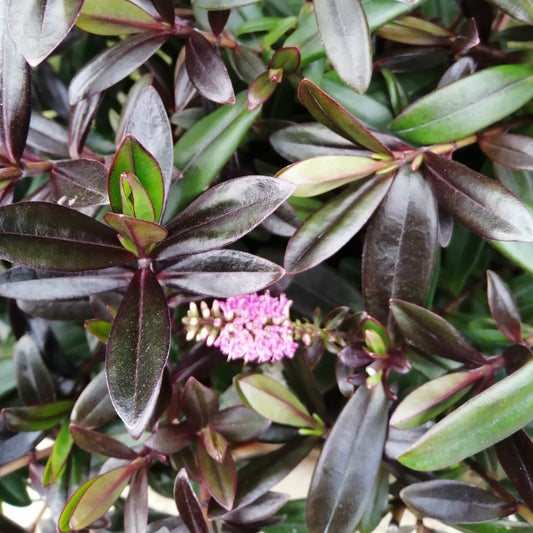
x: 321, y: 174
x: 63, y: 240
x: 485, y: 97
x: 34, y: 383
x: 15, y: 92
x: 33, y: 285
x: 81, y: 117
x: 503, y: 308
x: 137, y: 351
x: 329, y: 228
x: 221, y: 4
x: 344, y: 31
x: 261, y: 509
x: 39, y: 27
x: 519, y: 9
x: 100, y: 443
x: 513, y: 151
x: 239, y: 423
x: 222, y: 215
x: 273, y: 401
x: 432, y: 334
x: 13, y: 491
x: 483, y: 205
x: 263, y: 87
x: 58, y: 460
x: 188, y: 505
x: 198, y: 403
x: 36, y: 417
x: 327, y: 111
x: 142, y: 233
x: 172, y: 438
x: 221, y: 273
x: 116, y: 17
x: 114, y: 64
x: 136, y: 505
x: 399, y: 258
x: 207, y: 71
x: 203, y: 150
x: 515, y: 454
x: 491, y: 416
x: 433, y: 398
x: 340, y: 486
x: 132, y: 158
x: 220, y: 478
x: 454, y: 501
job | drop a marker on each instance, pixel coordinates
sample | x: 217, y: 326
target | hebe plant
x: 160, y: 160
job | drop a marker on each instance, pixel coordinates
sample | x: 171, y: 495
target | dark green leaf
x: 340, y: 486
x: 63, y: 240
x: 399, y: 258
x: 489, y: 417
x: 36, y: 417
x: 483, y: 205
x: 513, y: 151
x: 38, y: 27
x: 100, y: 443
x: 223, y: 214
x: 188, y: 505
x: 344, y: 31
x: 333, y: 225
x: 327, y: 111
x: 13, y: 491
x: 114, y: 63
x: 432, y: 334
x: 137, y: 351
x: 454, y: 501
x: 485, y: 97
x: 287, y: 59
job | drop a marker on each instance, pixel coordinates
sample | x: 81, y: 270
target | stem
x: 38, y: 167
x: 25, y: 460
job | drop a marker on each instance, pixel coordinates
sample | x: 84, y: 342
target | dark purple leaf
x: 34, y: 383
x: 47, y: 136
x: 217, y: 20
x: 221, y: 273
x: 52, y: 90
x: 137, y: 351
x: 207, y: 71
x: 100, y: 443
x: 15, y: 93
x: 340, y: 486
x: 223, y: 214
x: 454, y: 501
x: 136, y: 505
x: 38, y: 26
x: 515, y: 454
x: 81, y: 117
x: 327, y: 111
x: 329, y: 228
x: 188, y: 505
x: 172, y: 439
x: 80, y: 182
x: 166, y: 9
x: 198, y: 403
x: 260, y: 509
x: 62, y: 240
x: 184, y: 90
x: 114, y: 63
x: 466, y: 39
x: 18, y: 444
x: 503, y: 307
x: 239, y: 423
x: 513, y: 151
x: 432, y: 334
x: 399, y: 256
x: 481, y: 204
x: 460, y: 69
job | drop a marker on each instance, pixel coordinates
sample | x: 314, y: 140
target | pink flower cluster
x: 257, y: 328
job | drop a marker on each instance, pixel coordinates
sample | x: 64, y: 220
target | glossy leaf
x: 58, y: 460
x: 483, y: 205
x: 137, y: 351
x: 489, y: 417
x: 100, y: 443
x: 454, y: 501
x: 263, y: 87
x: 433, y: 334
x: 223, y: 214
x: 132, y: 158
x: 15, y: 91
x: 207, y: 71
x: 63, y: 240
x: 513, y: 151
x: 116, y: 17
x: 39, y: 27
x: 36, y: 417
x: 344, y: 31
x: 485, y: 97
x: 239, y: 424
x: 515, y: 454
x: 214, y: 443
x: 260, y: 509
x: 136, y: 505
x: 221, y: 273
x: 199, y: 404
x: 519, y: 9
x: 321, y: 174
x: 82, y: 115
x: 340, y: 486
x: 124, y: 57
x: 34, y: 383
x: 204, y: 149
x: 273, y: 401
x: 171, y: 439
x: 432, y: 398
x: 188, y: 505
x: 220, y: 478
x: 399, y: 258
x: 335, y: 223
x: 327, y: 111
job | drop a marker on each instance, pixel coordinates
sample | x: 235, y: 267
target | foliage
x: 227, y: 224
